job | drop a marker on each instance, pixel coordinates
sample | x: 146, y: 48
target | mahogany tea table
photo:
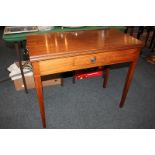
x: 59, y: 52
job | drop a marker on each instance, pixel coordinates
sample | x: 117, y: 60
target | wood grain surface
x: 62, y: 44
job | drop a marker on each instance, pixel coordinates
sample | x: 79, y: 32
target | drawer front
x: 105, y: 58
x: 86, y: 61
x: 55, y: 65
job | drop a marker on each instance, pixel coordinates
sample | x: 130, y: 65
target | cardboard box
x: 48, y: 80
x: 30, y: 82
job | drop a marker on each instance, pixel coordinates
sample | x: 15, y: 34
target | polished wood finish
x: 65, y: 44
x: 39, y: 90
x: 127, y: 82
x: 68, y: 51
x: 58, y: 65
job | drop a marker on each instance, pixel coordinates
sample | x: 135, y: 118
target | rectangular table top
x: 61, y: 44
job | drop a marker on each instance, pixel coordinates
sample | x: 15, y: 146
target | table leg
x: 39, y: 91
x: 106, y: 76
x: 127, y: 82
x: 17, y: 47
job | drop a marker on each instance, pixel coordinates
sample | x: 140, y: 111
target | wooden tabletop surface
x: 61, y: 44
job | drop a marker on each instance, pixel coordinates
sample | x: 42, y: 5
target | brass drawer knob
x: 93, y: 60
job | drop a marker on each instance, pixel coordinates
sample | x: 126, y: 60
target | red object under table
x: 82, y: 74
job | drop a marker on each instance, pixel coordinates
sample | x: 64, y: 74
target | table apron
x: 86, y: 61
